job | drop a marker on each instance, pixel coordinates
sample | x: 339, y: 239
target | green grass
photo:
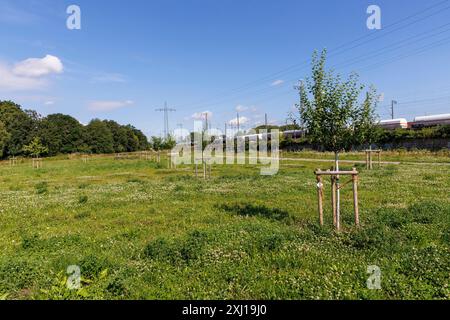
x: 140, y: 231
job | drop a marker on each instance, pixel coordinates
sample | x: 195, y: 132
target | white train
x: 430, y: 121
x: 419, y: 122
x: 394, y: 124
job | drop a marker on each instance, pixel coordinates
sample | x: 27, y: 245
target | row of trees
x: 61, y: 134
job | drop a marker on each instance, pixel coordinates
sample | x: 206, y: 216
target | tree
x: 120, y: 136
x: 35, y: 148
x: 99, y: 137
x: 331, y: 111
x: 142, y: 138
x: 169, y: 143
x: 132, y: 139
x: 61, y: 133
x: 366, y: 128
x: 21, y: 126
x: 4, y: 137
x: 157, y: 143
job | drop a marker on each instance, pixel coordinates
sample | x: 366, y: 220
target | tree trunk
x: 338, y: 193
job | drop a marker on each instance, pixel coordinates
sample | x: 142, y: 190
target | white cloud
x: 202, y: 115
x: 277, y: 83
x: 12, y: 82
x: 29, y: 74
x: 49, y: 103
x: 103, y: 105
x: 242, y: 120
x: 35, y: 67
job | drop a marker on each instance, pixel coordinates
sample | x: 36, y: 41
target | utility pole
x: 265, y: 122
x: 206, y: 121
x: 392, y: 108
x: 166, y: 111
x: 225, y: 129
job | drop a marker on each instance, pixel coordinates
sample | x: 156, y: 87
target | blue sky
x: 216, y: 55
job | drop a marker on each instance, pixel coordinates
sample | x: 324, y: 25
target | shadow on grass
x: 248, y: 210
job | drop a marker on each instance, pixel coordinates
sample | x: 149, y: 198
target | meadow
x: 138, y: 230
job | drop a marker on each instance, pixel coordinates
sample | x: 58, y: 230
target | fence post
x: 379, y: 158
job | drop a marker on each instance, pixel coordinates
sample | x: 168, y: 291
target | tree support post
x: 204, y: 170
x: 379, y: 159
x: 320, y: 198
x: 355, y: 197
x: 335, y: 188
x: 333, y: 199
x: 367, y: 159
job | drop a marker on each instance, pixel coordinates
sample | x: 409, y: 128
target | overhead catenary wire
x: 372, y: 37
x: 393, y: 47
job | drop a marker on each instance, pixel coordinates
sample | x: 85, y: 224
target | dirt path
x: 363, y: 162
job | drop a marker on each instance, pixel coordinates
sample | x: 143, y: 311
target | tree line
x: 22, y: 131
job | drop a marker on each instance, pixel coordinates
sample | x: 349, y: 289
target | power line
x: 392, y: 47
x: 401, y: 57
x: 362, y: 58
x: 166, y: 111
x: 296, y: 66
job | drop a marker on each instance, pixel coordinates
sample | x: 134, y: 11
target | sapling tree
x: 332, y: 113
x: 366, y: 129
x: 35, y: 148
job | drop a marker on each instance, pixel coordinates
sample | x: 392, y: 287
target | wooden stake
x: 333, y: 199
x: 204, y: 170
x: 355, y: 197
x: 367, y: 160
x: 379, y: 158
x: 320, y: 198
